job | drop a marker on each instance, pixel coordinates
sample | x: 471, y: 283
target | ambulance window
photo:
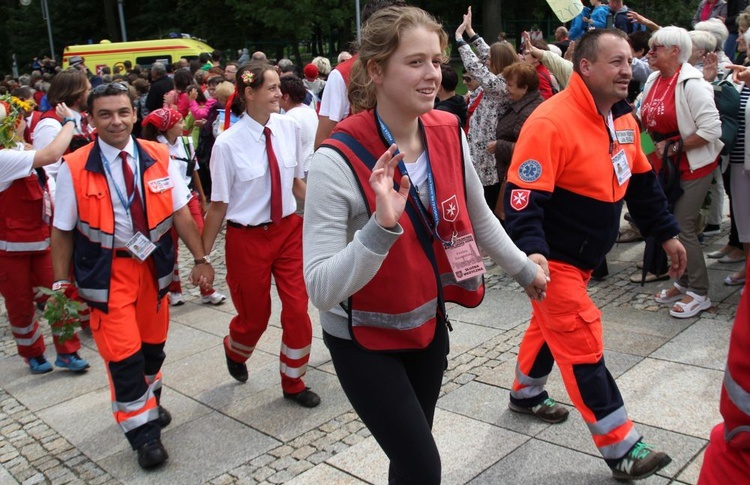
x: 146, y: 61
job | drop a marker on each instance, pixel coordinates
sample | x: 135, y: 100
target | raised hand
x: 389, y: 203
x: 63, y: 111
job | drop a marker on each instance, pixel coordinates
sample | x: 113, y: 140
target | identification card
x: 464, y: 258
x: 622, y: 169
x: 625, y: 137
x: 160, y: 185
x: 140, y: 246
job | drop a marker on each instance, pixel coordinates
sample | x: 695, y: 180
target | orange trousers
x: 566, y: 328
x: 130, y: 338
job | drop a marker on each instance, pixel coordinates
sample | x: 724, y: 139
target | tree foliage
x: 298, y: 28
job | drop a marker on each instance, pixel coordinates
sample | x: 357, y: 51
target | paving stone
x: 325, y: 473
x: 704, y: 344
x: 691, y: 472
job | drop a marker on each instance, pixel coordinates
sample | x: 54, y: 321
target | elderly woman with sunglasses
x: 679, y: 113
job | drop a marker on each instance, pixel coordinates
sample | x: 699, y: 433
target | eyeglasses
x: 110, y: 88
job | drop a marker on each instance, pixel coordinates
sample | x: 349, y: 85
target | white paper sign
x: 566, y: 10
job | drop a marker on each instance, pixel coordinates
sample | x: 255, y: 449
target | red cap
x: 311, y: 72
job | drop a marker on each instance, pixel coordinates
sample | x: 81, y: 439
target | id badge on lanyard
x: 462, y: 251
x: 619, y: 159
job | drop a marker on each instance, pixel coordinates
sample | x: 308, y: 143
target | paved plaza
x: 57, y: 428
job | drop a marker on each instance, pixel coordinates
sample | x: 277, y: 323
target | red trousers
x: 130, y: 338
x: 724, y: 464
x: 566, y: 328
x: 195, y: 210
x: 20, y: 273
x: 253, y: 255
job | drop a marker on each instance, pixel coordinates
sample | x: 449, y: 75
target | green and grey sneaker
x: 548, y: 411
x: 640, y: 462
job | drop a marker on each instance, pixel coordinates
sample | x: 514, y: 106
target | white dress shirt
x: 335, y: 102
x: 239, y: 168
x: 179, y: 157
x: 66, y: 206
x: 14, y: 164
x: 308, y: 122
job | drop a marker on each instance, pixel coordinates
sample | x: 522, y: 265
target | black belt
x: 122, y: 253
x: 237, y: 225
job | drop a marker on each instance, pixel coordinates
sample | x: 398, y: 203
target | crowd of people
x: 377, y: 190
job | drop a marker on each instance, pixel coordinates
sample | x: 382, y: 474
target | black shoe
x: 152, y: 454
x: 640, y: 462
x: 236, y: 370
x: 306, y: 398
x: 165, y: 417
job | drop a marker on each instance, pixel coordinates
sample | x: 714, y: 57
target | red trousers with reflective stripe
x: 195, y: 210
x: 569, y: 322
x: 20, y: 273
x: 135, y: 317
x: 253, y: 255
x: 724, y: 464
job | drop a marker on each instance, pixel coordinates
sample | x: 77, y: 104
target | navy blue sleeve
x: 524, y: 218
x: 648, y: 206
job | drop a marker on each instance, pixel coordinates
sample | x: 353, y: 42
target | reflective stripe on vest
x: 162, y: 228
x: 24, y: 246
x: 104, y: 239
x: 94, y: 294
x: 397, y: 321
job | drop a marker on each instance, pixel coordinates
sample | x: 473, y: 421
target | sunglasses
x: 110, y: 88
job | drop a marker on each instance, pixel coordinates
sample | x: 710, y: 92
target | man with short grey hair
x: 161, y: 84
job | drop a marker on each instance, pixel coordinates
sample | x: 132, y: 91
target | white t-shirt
x: 239, y: 168
x: 308, y: 122
x: 66, y: 206
x: 179, y: 157
x: 14, y: 164
x: 335, y: 102
x: 46, y: 131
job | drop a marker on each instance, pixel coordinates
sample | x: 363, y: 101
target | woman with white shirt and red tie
x: 257, y: 169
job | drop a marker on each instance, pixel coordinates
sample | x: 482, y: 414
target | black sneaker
x: 306, y: 398
x: 548, y: 411
x: 165, y: 417
x: 640, y: 462
x: 236, y: 369
x: 152, y: 454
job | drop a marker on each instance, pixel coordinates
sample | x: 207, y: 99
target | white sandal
x: 692, y: 308
x: 662, y: 296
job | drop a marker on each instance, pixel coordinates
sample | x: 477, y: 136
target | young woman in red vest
x: 25, y: 212
x: 396, y: 212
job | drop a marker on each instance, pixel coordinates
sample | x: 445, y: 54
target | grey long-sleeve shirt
x: 344, y: 248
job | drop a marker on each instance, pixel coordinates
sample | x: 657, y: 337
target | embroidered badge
x: 530, y: 171
x: 519, y: 199
x: 450, y: 208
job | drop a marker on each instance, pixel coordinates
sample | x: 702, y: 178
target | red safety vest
x: 22, y: 226
x: 95, y: 231
x: 397, y: 309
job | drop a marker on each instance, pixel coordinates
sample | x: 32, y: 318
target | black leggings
x: 395, y: 395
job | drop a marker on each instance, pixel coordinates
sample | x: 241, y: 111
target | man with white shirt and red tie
x: 117, y: 199
x: 257, y: 169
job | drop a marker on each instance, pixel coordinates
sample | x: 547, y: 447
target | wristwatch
x: 204, y: 260
x: 67, y: 119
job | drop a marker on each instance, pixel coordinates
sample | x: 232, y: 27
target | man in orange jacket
x: 117, y: 199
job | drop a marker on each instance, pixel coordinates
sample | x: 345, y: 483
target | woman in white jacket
x: 679, y: 113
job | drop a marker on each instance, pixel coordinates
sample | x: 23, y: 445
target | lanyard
x: 129, y: 202
x: 413, y: 192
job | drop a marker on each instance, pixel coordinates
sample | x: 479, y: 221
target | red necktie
x: 273, y: 165
x: 137, y: 215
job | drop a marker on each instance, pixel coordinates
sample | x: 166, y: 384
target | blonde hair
x: 380, y: 39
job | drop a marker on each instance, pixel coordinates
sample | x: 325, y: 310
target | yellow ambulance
x: 142, y: 52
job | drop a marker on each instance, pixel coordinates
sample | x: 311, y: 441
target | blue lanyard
x: 413, y: 192
x: 129, y: 202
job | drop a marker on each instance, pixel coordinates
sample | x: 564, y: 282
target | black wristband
x: 474, y: 38
x: 460, y: 42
